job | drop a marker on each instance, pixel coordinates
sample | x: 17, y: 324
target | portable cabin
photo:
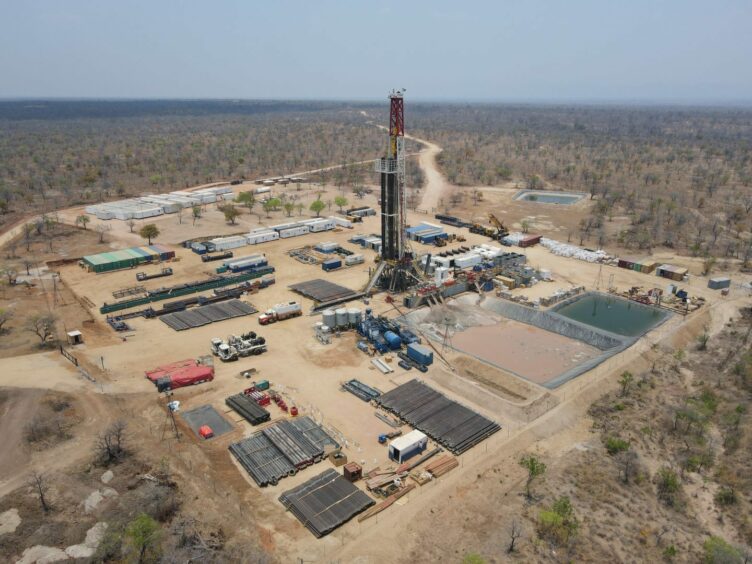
x: 405, y: 447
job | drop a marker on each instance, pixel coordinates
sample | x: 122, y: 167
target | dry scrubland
x: 667, y: 177
x: 639, y: 468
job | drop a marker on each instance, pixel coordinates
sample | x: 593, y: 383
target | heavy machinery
x: 225, y: 352
x: 280, y: 312
x: 501, y: 230
x: 247, y: 346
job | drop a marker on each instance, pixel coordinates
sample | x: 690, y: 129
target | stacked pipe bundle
x: 450, y: 424
x: 281, y: 449
x: 361, y: 390
x: 325, y: 502
x: 262, y: 460
x: 248, y: 408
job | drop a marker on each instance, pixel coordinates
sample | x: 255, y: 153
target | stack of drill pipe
x: 315, y: 451
x: 442, y: 465
x: 379, y: 507
x: 248, y: 409
x: 447, y: 422
x: 295, y: 453
x: 262, y: 460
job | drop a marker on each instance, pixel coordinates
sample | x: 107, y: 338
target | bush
x: 558, y: 524
x: 669, y: 552
x: 718, y: 551
x: 668, y: 485
x: 615, y: 445
x: 725, y: 496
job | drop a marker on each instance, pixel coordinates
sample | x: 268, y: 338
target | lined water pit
x: 547, y: 348
x: 546, y: 197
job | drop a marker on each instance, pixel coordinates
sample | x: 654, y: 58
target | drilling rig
x: 396, y: 271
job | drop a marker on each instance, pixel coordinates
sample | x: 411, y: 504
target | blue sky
x: 510, y: 50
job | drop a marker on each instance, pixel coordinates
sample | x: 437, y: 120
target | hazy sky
x: 591, y: 50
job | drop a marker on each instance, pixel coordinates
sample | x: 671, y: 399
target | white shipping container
x: 354, y: 259
x: 293, y: 232
x: 340, y: 221
x: 468, y: 260
x: 249, y: 259
x: 282, y: 226
x: 326, y: 246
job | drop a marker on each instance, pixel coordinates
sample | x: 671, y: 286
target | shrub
x: 725, y: 496
x: 668, y: 485
x: 558, y: 524
x: 615, y: 445
x: 669, y: 552
x: 718, y: 551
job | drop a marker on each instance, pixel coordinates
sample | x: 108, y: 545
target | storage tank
x: 393, y: 340
x: 353, y: 316
x: 328, y: 317
x: 341, y: 315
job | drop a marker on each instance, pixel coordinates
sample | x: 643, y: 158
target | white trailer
x: 226, y: 243
x: 254, y: 238
x: 340, y: 222
x: 293, y: 231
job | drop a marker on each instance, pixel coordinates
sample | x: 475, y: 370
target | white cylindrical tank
x: 353, y: 316
x: 329, y: 318
x: 341, y: 314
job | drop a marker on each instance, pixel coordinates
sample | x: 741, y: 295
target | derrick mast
x: 397, y: 272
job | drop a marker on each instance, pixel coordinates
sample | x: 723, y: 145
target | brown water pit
x: 527, y: 351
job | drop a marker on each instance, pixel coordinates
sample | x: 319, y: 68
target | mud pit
x: 527, y: 351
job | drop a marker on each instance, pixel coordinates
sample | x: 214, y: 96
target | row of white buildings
x: 152, y: 205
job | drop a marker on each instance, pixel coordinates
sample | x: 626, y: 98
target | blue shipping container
x: 420, y: 354
x: 331, y: 264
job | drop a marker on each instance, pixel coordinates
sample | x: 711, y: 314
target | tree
x: 515, y: 532
x: 534, y: 469
x: 28, y: 232
x: 341, y: 202
x: 248, y: 199
x: 525, y: 225
x: 131, y: 223
x: 43, y: 326
x: 317, y: 206
x: 82, y: 220
x: 110, y: 444
x: 39, y: 484
x: 267, y: 205
x: 300, y: 208
x: 196, y: 212
x: 702, y: 339
x: 668, y: 485
x: 149, y: 232
x: 5, y: 316
x: 231, y: 213
x: 626, y: 382
x: 627, y: 460
x: 101, y: 228
x: 180, y: 215
x: 289, y: 208
x: 143, y: 534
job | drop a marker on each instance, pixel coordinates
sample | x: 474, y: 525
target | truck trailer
x: 280, y: 312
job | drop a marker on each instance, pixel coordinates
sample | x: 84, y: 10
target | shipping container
x: 405, y: 447
x: 670, y: 271
x: 420, y: 354
x: 326, y: 247
x: 529, y: 241
x: 331, y: 264
x: 719, y: 283
x: 227, y: 243
x: 256, y: 258
x: 354, y: 259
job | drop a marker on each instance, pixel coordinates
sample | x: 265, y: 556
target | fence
x: 68, y: 355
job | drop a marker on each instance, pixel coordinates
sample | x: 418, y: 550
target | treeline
x: 47, y: 164
x: 683, y: 176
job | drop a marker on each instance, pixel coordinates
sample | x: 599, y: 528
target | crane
x: 501, y: 230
